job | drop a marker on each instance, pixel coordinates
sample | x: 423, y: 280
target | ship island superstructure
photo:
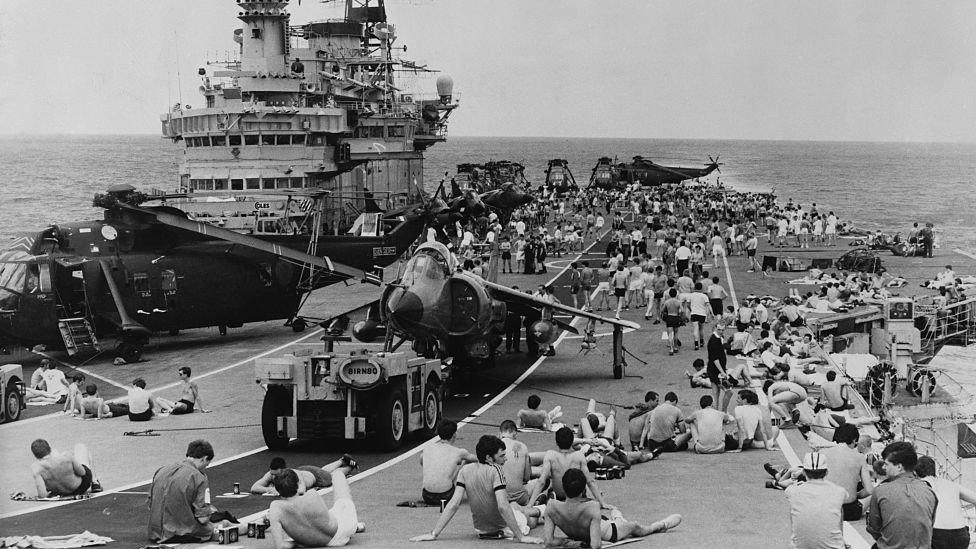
x: 306, y: 111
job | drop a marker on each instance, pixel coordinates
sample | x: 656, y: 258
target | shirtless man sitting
x: 189, y: 396
x: 441, y: 462
x: 557, y: 462
x: 534, y: 418
x: 62, y: 473
x: 583, y: 519
x: 309, y: 476
x: 306, y: 518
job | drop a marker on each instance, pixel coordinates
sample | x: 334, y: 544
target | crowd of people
x: 662, y: 244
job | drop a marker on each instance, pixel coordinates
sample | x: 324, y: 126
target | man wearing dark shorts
x: 715, y: 366
x: 671, y: 311
x: 309, y: 476
x: 62, y: 473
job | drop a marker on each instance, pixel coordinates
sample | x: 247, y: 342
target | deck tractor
x: 381, y: 397
x: 13, y: 388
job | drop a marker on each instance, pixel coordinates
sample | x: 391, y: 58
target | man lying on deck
x: 309, y: 476
x: 584, y: 520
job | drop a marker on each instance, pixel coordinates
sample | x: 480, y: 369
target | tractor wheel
x: 392, y: 421
x: 432, y: 409
x: 277, y: 402
x: 12, y: 403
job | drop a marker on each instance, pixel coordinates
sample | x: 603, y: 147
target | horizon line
x: 762, y: 139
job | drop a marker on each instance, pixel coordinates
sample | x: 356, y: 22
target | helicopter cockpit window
x: 168, y: 280
x: 140, y: 283
x: 44, y: 272
x: 13, y: 279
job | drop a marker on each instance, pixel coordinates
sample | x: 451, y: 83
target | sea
x: 47, y: 179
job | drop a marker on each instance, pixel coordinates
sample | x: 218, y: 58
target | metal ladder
x: 77, y: 335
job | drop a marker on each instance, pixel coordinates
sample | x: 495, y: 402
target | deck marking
x: 851, y: 536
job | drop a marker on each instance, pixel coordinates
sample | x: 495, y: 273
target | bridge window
x: 268, y: 139
x: 253, y: 183
x: 318, y: 140
x: 375, y: 131
x: 396, y: 131
x: 256, y: 33
x: 220, y: 184
x: 298, y: 139
x: 361, y: 132
x: 234, y: 140
x: 219, y: 140
x: 237, y: 184
x: 267, y: 183
x: 251, y: 139
x: 296, y: 182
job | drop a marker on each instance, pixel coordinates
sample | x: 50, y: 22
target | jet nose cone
x: 406, y: 307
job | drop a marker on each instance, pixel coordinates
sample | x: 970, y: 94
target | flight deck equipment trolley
x: 378, y: 396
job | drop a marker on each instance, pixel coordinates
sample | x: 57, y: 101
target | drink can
x: 237, y: 487
x: 251, y: 529
x: 260, y: 531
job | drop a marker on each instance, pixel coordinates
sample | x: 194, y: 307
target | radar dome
x: 445, y: 88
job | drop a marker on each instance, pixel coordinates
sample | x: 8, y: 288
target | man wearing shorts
x: 189, y: 396
x: 441, y: 462
x: 698, y: 309
x: 620, y: 280
x: 587, y: 279
x: 783, y: 396
x: 672, y: 310
x: 751, y: 245
x: 306, y: 518
x: 62, y: 473
x: 309, y: 476
x: 584, y: 520
x: 659, y: 283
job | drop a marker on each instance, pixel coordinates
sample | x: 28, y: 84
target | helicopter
x: 143, y: 270
x: 447, y: 312
x: 647, y: 173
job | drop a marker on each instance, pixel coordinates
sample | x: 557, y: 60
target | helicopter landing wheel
x: 129, y: 351
x: 298, y: 325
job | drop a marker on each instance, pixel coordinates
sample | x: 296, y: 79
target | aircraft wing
x: 509, y: 295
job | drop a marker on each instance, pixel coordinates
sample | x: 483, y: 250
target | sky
x: 844, y: 70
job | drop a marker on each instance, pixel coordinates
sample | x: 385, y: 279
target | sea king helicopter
x: 143, y: 270
x: 447, y: 312
x: 645, y: 172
